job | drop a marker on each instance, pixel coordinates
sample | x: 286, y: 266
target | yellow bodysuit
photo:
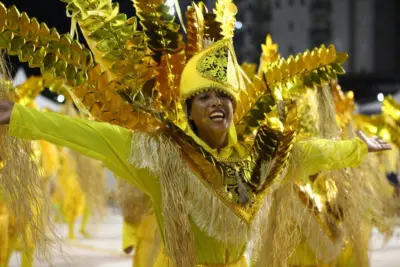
x: 73, y: 199
x: 113, y: 145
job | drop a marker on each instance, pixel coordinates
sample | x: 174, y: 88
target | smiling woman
x: 211, y: 115
x: 211, y: 192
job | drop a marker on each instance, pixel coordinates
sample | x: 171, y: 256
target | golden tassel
x: 23, y: 187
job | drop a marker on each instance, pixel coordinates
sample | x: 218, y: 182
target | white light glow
x: 171, y: 4
x: 172, y: 11
x: 380, y: 97
x: 238, y: 25
x: 60, y: 98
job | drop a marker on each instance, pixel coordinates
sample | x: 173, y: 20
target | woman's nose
x: 216, y: 101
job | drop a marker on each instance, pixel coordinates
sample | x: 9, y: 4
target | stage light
x: 60, y: 98
x: 380, y: 97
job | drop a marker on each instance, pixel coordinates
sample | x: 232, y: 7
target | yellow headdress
x: 214, y: 68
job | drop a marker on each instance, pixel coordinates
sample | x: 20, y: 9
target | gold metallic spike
x: 283, y: 68
x: 159, y: 26
x: 12, y: 18
x: 277, y: 74
x: 71, y: 73
x: 26, y: 52
x: 307, y: 59
x: 195, y: 27
x: 308, y: 82
x: 5, y: 39
x: 213, y: 28
x: 341, y: 58
x: 391, y: 108
x: 269, y: 54
x: 34, y: 28
x: 269, y: 73
x: 315, y: 62
x: 65, y: 40
x: 54, y: 35
x: 24, y: 22
x: 3, y: 16
x: 249, y: 69
x: 44, y: 34
x: 225, y: 12
x: 344, y: 104
x: 315, y: 78
x: 49, y: 61
x: 60, y: 68
x: 323, y: 55
x: 338, y: 68
x: 16, y: 45
x: 323, y: 75
x: 331, y: 54
x: 300, y: 65
x: 292, y: 66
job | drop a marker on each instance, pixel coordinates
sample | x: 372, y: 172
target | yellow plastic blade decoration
x: 157, y: 20
x: 169, y: 74
x: 391, y: 108
x: 42, y: 47
x: 249, y: 69
x: 34, y: 85
x: 213, y: 28
x: 225, y: 12
x: 344, y: 103
x: 118, y: 47
x: 310, y: 69
x: 269, y: 54
x: 101, y: 99
x: 195, y: 26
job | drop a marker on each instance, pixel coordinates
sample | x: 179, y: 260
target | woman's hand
x: 6, y: 107
x: 374, y: 144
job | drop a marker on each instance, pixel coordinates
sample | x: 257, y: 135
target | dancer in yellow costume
x: 80, y: 174
x: 139, y: 226
x: 180, y: 143
x: 81, y: 185
x: 375, y: 185
x: 319, y: 225
x: 391, y: 109
x: 385, y: 125
x: 73, y: 199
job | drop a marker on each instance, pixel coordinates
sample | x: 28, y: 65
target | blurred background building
x: 368, y: 30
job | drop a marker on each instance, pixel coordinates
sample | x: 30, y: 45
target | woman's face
x: 212, y: 112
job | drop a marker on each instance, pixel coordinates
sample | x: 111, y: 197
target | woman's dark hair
x: 188, y: 109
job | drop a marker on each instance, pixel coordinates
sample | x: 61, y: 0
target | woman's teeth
x: 217, y: 116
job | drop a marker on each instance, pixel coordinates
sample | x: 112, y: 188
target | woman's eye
x: 223, y: 96
x: 204, y: 97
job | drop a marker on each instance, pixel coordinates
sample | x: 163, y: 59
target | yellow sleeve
x: 108, y: 143
x: 129, y: 235
x: 323, y: 155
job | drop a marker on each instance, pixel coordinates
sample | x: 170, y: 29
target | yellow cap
x: 214, y: 68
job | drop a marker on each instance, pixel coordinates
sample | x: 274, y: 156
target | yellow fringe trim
x: 184, y: 196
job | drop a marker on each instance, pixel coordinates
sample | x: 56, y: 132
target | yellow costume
x: 139, y: 226
x: 73, y: 199
x: 111, y: 144
x: 209, y: 205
